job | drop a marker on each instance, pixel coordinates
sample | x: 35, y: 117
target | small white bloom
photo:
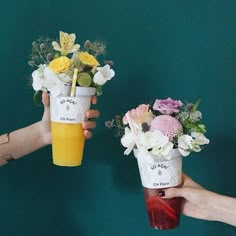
x: 128, y: 141
x: 162, y: 151
x: 103, y: 74
x: 185, y: 144
x: 39, y: 79
x: 199, y: 138
x: 195, y: 116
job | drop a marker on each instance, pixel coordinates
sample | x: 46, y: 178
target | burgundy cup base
x: 165, y: 227
x: 163, y: 214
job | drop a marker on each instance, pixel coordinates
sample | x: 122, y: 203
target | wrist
x: 44, y: 132
x: 222, y: 208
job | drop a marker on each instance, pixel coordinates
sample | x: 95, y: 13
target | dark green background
x: 180, y: 49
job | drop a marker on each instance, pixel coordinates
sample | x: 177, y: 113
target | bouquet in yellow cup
x: 71, y: 74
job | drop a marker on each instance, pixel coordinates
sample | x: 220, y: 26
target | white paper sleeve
x: 159, y: 174
x: 69, y: 109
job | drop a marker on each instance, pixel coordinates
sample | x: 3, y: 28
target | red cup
x: 163, y: 213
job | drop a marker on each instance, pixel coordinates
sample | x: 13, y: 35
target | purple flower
x: 167, y: 106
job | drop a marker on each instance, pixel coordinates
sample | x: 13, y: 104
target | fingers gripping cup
x: 156, y: 175
x: 67, y: 116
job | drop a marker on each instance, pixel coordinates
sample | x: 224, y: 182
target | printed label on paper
x: 160, y: 174
x: 69, y: 109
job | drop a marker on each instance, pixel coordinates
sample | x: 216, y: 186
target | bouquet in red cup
x: 159, y: 136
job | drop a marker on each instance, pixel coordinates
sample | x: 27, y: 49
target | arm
x: 31, y: 138
x: 203, y: 204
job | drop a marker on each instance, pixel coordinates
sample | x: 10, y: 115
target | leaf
x: 36, y: 97
x: 99, y: 90
x: 196, y: 104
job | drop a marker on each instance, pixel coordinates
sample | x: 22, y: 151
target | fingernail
x: 161, y: 193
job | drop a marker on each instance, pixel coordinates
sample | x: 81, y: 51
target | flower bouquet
x: 159, y: 136
x: 70, y: 81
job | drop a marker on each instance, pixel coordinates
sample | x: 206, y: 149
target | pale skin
x: 203, y: 204
x: 33, y: 137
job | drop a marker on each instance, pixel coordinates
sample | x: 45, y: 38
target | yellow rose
x: 60, y: 64
x: 88, y: 59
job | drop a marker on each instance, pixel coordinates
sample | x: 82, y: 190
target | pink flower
x: 167, y: 106
x: 168, y: 125
x: 139, y: 115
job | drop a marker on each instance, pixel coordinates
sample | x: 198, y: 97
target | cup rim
x: 84, y: 91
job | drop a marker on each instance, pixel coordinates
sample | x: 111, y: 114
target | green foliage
x: 37, y: 95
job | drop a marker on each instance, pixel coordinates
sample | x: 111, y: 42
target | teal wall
x: 182, y: 49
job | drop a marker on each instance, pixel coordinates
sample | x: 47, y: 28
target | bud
x: 145, y: 127
x: 189, y: 106
x: 31, y: 63
x: 42, y: 46
x: 110, y: 63
x: 108, y: 124
x: 49, y: 57
x: 87, y: 44
x: 34, y: 44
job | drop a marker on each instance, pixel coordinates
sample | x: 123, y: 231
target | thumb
x: 45, y: 101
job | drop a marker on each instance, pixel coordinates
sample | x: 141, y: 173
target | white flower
x: 199, y: 138
x: 163, y: 151
x: 185, y: 144
x: 39, y: 79
x: 128, y: 141
x: 52, y: 82
x: 195, y: 116
x: 103, y: 74
x: 151, y: 139
x: 155, y: 140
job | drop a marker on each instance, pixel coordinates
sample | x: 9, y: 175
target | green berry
x: 84, y: 80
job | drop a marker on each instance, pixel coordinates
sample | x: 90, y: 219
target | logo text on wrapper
x: 67, y: 103
x: 70, y: 101
x: 162, y: 166
x: 161, y: 184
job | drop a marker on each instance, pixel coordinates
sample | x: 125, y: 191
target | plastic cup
x: 67, y: 116
x: 157, y: 174
x: 162, y: 213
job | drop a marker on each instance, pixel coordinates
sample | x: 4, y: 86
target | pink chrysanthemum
x: 168, y: 125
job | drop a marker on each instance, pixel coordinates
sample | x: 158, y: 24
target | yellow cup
x: 67, y: 116
x: 68, y: 144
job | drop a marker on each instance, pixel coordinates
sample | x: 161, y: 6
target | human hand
x: 196, y: 198
x: 46, y: 125
x: 90, y: 124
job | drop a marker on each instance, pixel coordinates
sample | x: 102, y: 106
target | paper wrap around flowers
x: 158, y: 172
x: 71, y: 110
